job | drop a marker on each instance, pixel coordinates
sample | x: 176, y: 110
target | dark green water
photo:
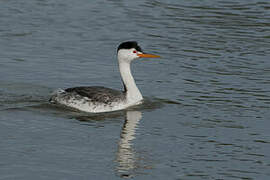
x: 207, y: 108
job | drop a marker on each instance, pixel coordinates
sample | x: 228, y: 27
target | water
x: 206, y: 114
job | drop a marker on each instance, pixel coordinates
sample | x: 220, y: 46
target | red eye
x: 134, y: 51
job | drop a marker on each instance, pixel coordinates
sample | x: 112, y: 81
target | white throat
x: 133, y: 94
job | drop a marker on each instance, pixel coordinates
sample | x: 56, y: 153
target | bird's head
x: 130, y: 50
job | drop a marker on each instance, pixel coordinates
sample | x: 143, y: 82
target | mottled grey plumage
x: 98, y: 94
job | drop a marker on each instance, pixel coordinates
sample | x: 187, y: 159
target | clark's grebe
x: 100, y: 99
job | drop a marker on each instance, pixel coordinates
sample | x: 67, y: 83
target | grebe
x: 97, y: 99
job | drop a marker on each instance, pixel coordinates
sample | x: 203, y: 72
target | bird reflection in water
x: 128, y: 161
x: 126, y: 157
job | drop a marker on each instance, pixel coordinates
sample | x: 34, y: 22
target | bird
x: 98, y: 99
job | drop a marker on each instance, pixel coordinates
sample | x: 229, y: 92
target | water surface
x: 206, y: 114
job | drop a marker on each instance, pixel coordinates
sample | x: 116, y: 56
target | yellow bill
x: 148, y: 56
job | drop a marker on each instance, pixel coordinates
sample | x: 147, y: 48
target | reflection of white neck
x: 128, y: 132
x: 126, y: 156
x: 133, y: 94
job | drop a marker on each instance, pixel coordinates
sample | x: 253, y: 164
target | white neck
x: 133, y: 94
